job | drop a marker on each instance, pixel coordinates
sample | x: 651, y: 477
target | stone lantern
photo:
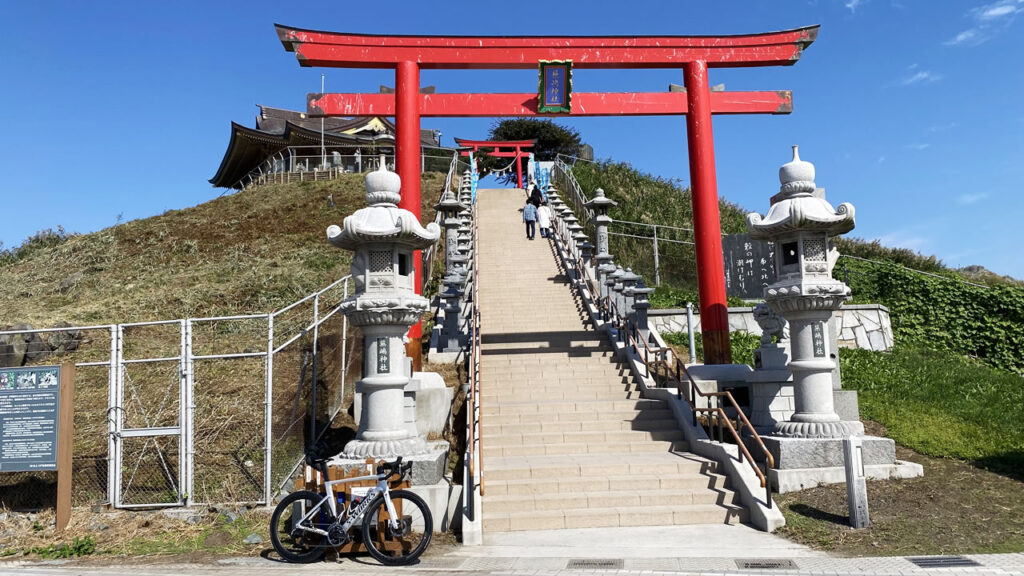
x: 385, y: 304
x: 800, y: 222
x: 450, y: 207
x: 600, y: 204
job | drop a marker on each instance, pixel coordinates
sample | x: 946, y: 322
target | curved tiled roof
x: 277, y: 129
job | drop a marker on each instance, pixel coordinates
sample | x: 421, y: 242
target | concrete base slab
x: 800, y: 479
x: 441, y: 357
x: 444, y: 501
x: 638, y: 542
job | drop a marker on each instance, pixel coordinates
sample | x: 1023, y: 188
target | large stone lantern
x: 385, y: 304
x: 800, y: 222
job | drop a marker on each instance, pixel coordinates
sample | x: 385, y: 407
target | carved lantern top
x: 800, y: 206
x: 382, y: 221
x: 449, y: 205
x: 600, y: 203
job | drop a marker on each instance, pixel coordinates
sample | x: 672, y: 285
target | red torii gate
x: 517, y: 153
x: 694, y: 54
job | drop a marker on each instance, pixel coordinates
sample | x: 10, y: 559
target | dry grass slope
x: 250, y: 252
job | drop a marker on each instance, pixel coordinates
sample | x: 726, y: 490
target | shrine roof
x: 277, y: 129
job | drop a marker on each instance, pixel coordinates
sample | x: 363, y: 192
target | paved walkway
x: 592, y: 551
x: 567, y: 440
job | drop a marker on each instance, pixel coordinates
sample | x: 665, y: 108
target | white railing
x: 473, y: 472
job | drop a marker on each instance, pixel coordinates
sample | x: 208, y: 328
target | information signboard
x: 555, y: 87
x: 29, y: 411
x: 749, y: 266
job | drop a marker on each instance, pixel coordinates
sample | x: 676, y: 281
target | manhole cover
x: 595, y: 564
x: 943, y: 562
x: 765, y: 564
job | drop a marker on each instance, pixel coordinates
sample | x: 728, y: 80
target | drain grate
x: 765, y: 564
x: 595, y: 564
x: 944, y: 562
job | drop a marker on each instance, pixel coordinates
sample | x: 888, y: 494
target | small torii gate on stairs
x: 407, y: 55
x: 517, y: 151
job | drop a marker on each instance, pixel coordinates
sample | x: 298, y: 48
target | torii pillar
x: 693, y: 54
x: 407, y: 165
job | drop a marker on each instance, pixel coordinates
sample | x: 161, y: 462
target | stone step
x: 557, y: 394
x: 539, y: 421
x: 579, y: 422
x: 613, y: 516
x: 581, y: 465
x: 546, y: 388
x: 588, y: 437
x: 570, y: 406
x: 578, y: 448
x: 584, y: 499
x: 692, y: 481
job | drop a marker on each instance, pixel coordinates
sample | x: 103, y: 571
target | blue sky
x: 911, y: 110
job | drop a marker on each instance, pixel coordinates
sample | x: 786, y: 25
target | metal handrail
x: 474, y: 419
x: 627, y: 332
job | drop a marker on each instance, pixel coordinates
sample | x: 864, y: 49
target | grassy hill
x: 249, y: 252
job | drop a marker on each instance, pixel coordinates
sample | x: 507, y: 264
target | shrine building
x: 285, y: 146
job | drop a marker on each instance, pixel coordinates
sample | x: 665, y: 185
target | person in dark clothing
x: 536, y: 198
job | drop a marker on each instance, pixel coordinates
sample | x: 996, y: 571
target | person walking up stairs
x: 567, y: 441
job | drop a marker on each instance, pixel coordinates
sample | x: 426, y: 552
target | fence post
x: 690, y: 332
x: 268, y: 411
x: 112, y: 407
x: 657, y: 268
x: 190, y: 412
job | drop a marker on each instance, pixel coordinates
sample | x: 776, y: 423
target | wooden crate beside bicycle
x: 312, y: 480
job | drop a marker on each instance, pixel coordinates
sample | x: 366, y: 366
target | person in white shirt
x: 544, y: 220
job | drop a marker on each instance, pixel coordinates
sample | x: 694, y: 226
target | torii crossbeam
x: 517, y: 149
x: 407, y: 55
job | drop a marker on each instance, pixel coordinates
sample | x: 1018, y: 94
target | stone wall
x: 864, y: 326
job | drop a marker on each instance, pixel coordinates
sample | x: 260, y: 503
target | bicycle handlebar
x: 395, y: 468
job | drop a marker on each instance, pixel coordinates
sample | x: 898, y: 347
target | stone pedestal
x: 771, y: 357
x: 802, y: 463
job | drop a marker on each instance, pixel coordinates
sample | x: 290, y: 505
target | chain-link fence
x: 183, y: 412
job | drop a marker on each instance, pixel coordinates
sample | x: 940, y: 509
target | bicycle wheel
x: 402, y: 545
x: 290, y: 541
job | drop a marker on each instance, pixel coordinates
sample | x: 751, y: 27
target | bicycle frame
x: 355, y: 514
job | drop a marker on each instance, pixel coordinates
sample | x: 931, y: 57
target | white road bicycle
x: 396, y: 524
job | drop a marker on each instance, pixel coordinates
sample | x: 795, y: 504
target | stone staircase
x: 567, y: 440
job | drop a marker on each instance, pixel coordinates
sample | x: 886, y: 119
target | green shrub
x: 941, y: 404
x: 38, y: 242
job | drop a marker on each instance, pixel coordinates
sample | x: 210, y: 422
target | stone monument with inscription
x: 383, y: 238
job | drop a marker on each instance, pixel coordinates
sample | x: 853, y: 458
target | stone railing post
x: 640, y: 307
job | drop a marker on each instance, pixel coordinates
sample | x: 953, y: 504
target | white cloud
x: 881, y: 159
x: 921, y: 146
x: 997, y: 10
x: 853, y: 5
x: 990, y: 19
x: 971, y: 35
x: 968, y: 199
x: 905, y: 239
x: 924, y: 76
